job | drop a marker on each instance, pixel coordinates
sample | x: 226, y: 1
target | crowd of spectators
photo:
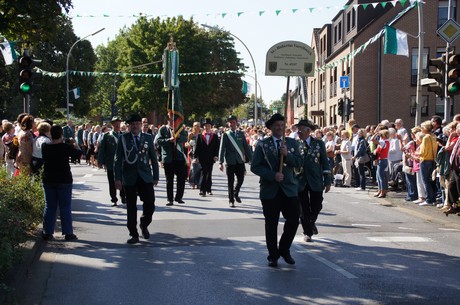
x: 423, y: 161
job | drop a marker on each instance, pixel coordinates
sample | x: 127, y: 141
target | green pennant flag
x: 383, y: 4
x: 365, y: 6
x: 403, y: 2
x: 277, y: 12
x: 224, y: 14
x: 294, y: 10
x: 240, y: 13
x: 261, y: 13
x: 311, y: 9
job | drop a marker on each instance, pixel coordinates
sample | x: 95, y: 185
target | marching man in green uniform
x: 278, y: 190
x: 235, y: 150
x: 106, y: 154
x: 136, y: 169
x: 314, y: 177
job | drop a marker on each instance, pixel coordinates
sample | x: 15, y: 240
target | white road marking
x: 400, y: 239
x: 331, y: 265
x: 405, y: 228
x: 87, y: 175
x: 447, y: 229
x: 79, y: 182
x: 364, y: 225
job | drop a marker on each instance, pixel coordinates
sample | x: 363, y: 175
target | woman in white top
x: 43, y: 137
x: 395, y: 154
x: 345, y: 152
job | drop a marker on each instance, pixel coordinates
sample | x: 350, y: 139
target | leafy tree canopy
x: 31, y: 21
x: 200, y: 51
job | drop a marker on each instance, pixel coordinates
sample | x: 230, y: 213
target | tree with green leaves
x: 30, y: 22
x: 200, y: 51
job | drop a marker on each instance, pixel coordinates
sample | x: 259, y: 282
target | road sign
x: 449, y: 31
x: 344, y: 82
x: 290, y: 58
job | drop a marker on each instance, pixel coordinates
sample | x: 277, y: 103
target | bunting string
x: 262, y: 13
x: 364, y: 46
x: 123, y: 74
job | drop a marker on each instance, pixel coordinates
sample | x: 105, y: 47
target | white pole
x: 253, y: 64
x: 67, y: 68
x: 418, y: 102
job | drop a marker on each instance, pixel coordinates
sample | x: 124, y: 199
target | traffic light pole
x: 26, y: 103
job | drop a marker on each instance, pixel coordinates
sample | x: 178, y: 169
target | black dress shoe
x: 145, y: 232
x: 288, y: 259
x: 123, y: 200
x: 47, y: 236
x: 180, y: 201
x: 231, y: 204
x: 70, y: 237
x: 202, y: 194
x: 210, y: 193
x: 272, y: 262
x: 314, y: 229
x: 237, y: 198
x: 114, y: 204
x: 170, y: 203
x: 133, y: 240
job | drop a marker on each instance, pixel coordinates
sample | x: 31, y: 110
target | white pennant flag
x: 9, y: 55
x: 76, y: 92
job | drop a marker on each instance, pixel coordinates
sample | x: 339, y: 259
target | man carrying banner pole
x: 171, y: 137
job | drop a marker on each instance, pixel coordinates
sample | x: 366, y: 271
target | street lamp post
x: 253, y: 64
x: 67, y: 68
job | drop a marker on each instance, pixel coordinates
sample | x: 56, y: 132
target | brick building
x: 382, y: 86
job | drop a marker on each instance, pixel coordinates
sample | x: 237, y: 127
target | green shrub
x: 21, y: 210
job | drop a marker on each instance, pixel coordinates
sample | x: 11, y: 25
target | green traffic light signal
x: 454, y: 88
x: 25, y: 87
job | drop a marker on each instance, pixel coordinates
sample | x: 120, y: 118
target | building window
x: 331, y: 115
x: 439, y: 107
x: 340, y: 31
x: 443, y: 10
x: 335, y: 34
x: 348, y: 22
x: 413, y: 106
x: 414, y: 69
x: 353, y: 19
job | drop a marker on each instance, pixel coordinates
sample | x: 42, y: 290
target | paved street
x: 368, y: 251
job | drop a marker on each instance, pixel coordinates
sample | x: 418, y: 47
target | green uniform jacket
x: 265, y: 164
x: 315, y: 171
x: 167, y: 147
x: 228, y: 152
x: 130, y: 162
x: 68, y: 132
x: 107, y: 148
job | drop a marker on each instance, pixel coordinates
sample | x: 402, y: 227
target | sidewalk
x: 396, y: 199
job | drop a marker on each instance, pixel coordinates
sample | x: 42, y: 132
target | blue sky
x: 258, y: 32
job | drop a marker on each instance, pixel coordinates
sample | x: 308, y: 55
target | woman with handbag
x: 345, y: 153
x: 383, y: 148
x: 361, y: 158
x: 409, y: 167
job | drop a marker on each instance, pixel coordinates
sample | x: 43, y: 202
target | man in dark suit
x: 235, y: 151
x: 136, y: 169
x: 173, y: 159
x: 207, y: 151
x: 106, y: 154
x: 314, y: 177
x: 278, y: 189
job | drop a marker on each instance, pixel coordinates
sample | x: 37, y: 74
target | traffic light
x: 437, y: 75
x: 453, y: 75
x: 350, y: 106
x: 340, y: 108
x: 26, y: 73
